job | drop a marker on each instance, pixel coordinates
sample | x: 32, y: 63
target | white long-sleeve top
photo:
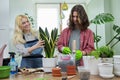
x: 20, y: 48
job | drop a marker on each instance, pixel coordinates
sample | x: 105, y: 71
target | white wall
x: 4, y: 25
x: 93, y: 10
x: 115, y: 4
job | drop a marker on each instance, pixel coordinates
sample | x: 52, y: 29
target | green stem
x: 112, y: 39
x: 96, y: 35
x: 114, y: 44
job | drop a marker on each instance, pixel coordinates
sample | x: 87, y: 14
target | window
x: 48, y: 15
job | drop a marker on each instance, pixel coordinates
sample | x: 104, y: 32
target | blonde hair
x: 18, y: 33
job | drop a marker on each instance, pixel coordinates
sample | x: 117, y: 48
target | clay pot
x: 56, y: 72
x: 71, y: 70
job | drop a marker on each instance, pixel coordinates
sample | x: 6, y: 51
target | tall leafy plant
x: 106, y: 51
x: 116, y: 28
x: 101, y: 18
x: 50, y: 41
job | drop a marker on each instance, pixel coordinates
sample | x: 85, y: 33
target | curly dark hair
x: 82, y: 16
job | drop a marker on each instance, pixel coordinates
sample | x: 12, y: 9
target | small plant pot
x: 107, y: 60
x: 48, y: 67
x: 116, y: 58
x: 105, y: 70
x: 71, y: 70
x: 83, y: 73
x: 56, y: 72
x: 117, y: 68
x: 91, y: 63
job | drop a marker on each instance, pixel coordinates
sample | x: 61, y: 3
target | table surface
x: 48, y: 76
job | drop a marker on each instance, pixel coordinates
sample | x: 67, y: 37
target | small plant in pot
x: 107, y: 51
x: 49, y: 47
x: 104, y: 52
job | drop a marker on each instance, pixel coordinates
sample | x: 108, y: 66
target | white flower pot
x: 48, y: 64
x: 105, y: 70
x: 117, y: 68
x: 116, y: 58
x: 107, y: 60
x: 91, y: 64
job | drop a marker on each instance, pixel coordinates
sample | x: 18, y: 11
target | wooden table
x: 35, y: 76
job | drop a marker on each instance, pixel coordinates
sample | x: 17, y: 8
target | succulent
x: 50, y: 41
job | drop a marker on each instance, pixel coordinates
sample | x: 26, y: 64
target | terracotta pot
x: 56, y: 72
x: 71, y: 70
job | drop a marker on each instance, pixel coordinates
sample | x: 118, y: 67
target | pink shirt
x: 86, y: 40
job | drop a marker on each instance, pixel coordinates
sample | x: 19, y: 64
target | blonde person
x: 77, y: 30
x: 27, y: 43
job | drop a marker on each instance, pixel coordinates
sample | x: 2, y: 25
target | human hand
x: 66, y: 50
x: 78, y: 55
x: 40, y: 43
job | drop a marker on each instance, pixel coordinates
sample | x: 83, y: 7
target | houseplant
x: 50, y: 41
x: 49, y: 48
x: 102, y: 18
x: 90, y: 61
x: 99, y: 19
x: 116, y: 28
x: 106, y: 51
x: 102, y: 54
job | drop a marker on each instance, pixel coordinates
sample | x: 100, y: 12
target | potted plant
x: 91, y: 60
x: 106, y: 51
x: 49, y: 47
x: 101, y: 18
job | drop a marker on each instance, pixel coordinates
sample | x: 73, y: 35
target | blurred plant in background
x: 99, y: 19
x: 31, y: 19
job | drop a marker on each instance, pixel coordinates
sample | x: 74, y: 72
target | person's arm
x: 27, y: 51
x: 60, y: 43
x: 89, y: 44
x: 39, y: 44
x: 22, y: 50
x: 63, y: 39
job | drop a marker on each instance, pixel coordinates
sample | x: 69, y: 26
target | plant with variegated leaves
x: 50, y: 41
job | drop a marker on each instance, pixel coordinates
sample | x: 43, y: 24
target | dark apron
x: 35, y: 59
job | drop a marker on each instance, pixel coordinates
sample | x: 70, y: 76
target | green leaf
x: 116, y: 28
x: 47, y: 33
x: 118, y: 38
x: 50, y: 41
x: 102, y: 18
x: 106, y: 51
x: 95, y: 53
